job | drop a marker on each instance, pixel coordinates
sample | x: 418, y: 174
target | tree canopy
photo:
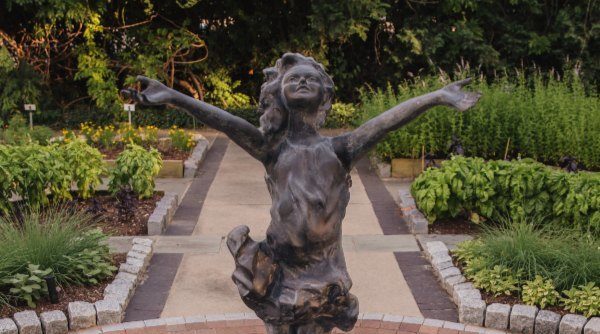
x: 66, y: 54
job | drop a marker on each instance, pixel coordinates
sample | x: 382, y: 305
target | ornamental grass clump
x: 55, y: 241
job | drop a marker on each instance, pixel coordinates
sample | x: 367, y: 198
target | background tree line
x: 71, y: 56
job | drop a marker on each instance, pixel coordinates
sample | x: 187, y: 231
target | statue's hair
x: 272, y: 85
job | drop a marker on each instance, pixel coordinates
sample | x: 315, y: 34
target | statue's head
x: 295, y: 83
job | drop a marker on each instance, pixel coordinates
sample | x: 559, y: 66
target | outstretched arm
x: 351, y: 146
x: 238, y: 129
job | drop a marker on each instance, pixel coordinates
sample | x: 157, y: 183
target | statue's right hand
x: 153, y: 93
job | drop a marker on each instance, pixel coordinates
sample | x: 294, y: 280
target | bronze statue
x: 296, y: 280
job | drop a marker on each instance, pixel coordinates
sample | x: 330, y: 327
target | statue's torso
x: 309, y: 188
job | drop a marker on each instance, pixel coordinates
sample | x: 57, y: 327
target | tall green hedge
x: 545, y: 119
x: 501, y: 189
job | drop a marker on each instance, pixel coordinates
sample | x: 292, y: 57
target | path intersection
x: 191, y: 269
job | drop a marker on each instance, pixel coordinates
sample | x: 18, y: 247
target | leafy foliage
x: 342, y: 115
x: 540, y: 292
x: 36, y: 173
x: 135, y: 169
x: 17, y: 132
x: 498, y: 280
x: 71, y: 56
x: 86, y: 166
x: 517, y: 189
x: 584, y: 299
x: 543, y: 118
x: 180, y: 139
x: 29, y: 287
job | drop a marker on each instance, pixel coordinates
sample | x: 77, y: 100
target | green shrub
x: 18, y: 132
x: 584, y: 299
x: 41, y: 134
x: 544, y: 119
x: 181, y: 139
x: 36, y: 172
x: 85, y: 166
x: 51, y: 240
x: 342, y: 115
x: 516, y: 189
x: 41, y: 171
x: 540, y: 292
x: 135, y: 169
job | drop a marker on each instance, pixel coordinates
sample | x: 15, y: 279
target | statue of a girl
x: 296, y: 279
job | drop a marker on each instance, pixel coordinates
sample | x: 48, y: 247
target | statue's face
x: 302, y: 87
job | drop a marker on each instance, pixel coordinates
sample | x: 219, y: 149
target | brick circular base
x: 246, y: 323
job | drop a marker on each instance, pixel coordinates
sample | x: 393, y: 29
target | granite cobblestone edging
x: 83, y: 315
x: 163, y: 213
x: 417, y: 223
x: 190, y: 166
x: 165, y: 208
x: 248, y: 323
x: 525, y: 319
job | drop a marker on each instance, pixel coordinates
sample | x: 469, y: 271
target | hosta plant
x: 29, y: 287
x: 584, y: 299
x: 497, y: 281
x: 540, y: 292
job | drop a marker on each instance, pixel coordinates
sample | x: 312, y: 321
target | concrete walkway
x: 190, y: 273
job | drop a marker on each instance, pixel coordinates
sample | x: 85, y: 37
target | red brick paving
x: 248, y: 324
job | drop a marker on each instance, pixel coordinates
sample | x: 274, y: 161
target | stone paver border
x: 84, y: 315
x: 473, y: 310
x: 248, y: 323
x: 417, y: 222
x: 190, y: 166
x: 163, y: 213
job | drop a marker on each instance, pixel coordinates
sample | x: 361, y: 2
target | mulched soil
x: 456, y: 225
x: 111, y: 222
x: 69, y: 294
x: 166, y: 155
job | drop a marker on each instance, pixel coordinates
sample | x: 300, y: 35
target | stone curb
x: 525, y: 319
x: 382, y: 169
x: 163, y: 213
x: 249, y: 323
x: 417, y: 223
x: 190, y: 166
x: 82, y: 316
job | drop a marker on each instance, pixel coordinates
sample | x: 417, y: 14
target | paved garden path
x: 190, y: 272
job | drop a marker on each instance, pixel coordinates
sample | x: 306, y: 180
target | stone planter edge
x: 417, y: 223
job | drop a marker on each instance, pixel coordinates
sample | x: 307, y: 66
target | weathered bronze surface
x: 296, y: 279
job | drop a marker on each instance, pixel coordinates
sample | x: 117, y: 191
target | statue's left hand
x: 154, y: 93
x: 458, y: 98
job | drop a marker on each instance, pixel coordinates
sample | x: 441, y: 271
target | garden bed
x: 111, y: 222
x: 84, y: 293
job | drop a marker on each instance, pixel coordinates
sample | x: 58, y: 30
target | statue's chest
x: 308, y: 163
